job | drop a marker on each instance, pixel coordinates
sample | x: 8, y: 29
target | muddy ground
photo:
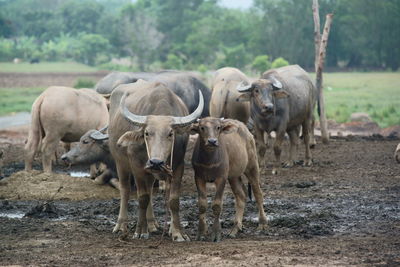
x: 344, y: 210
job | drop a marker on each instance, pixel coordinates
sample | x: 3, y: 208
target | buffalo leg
x: 31, y: 149
x: 49, y: 147
x: 261, y: 145
x: 175, y: 229
x: 278, y: 150
x: 306, y: 135
x: 294, y: 142
x: 125, y: 189
x: 144, y: 182
x: 240, y: 196
x: 217, y: 209
x: 151, y: 221
x: 253, y: 176
x: 202, y: 202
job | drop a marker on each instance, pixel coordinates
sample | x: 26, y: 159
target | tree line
x: 199, y: 34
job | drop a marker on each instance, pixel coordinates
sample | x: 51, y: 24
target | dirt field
x: 342, y: 211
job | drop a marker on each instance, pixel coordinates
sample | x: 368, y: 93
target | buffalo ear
x: 194, y: 128
x: 244, y: 97
x: 129, y: 138
x: 228, y: 127
x: 281, y: 94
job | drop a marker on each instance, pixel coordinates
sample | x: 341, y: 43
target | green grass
x: 377, y: 94
x: 45, y: 67
x: 17, y: 99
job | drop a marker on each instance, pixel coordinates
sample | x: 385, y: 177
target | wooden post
x: 319, y: 79
x: 317, y: 31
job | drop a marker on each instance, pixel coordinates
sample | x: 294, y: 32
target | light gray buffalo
x: 183, y: 84
x: 148, y: 139
x: 223, y: 102
x: 224, y: 151
x: 62, y: 114
x: 282, y: 101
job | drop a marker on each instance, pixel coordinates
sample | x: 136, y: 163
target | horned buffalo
x: 224, y: 94
x: 183, y: 84
x: 225, y: 150
x: 148, y: 138
x: 93, y: 148
x: 282, y: 101
x: 62, y: 114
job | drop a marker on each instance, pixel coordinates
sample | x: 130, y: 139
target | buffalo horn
x: 183, y: 121
x: 99, y: 136
x: 242, y: 88
x: 137, y: 120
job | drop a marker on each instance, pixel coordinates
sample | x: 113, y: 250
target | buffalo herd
x: 138, y: 125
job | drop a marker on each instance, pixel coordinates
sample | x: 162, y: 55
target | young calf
x: 224, y: 151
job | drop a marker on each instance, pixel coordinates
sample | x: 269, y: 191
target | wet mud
x: 344, y: 210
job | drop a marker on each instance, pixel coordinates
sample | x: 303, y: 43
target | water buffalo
x: 397, y: 153
x: 148, y: 138
x: 62, y: 113
x: 224, y: 94
x: 282, y: 101
x: 183, y: 84
x: 225, y: 150
x: 93, y: 148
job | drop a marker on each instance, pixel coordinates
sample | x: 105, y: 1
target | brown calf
x: 224, y: 151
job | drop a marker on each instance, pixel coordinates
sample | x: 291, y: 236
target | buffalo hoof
x: 141, y: 236
x: 307, y: 163
x: 274, y: 171
x: 234, y: 231
x: 152, y: 226
x: 262, y: 227
x: 216, y: 236
x: 179, y: 237
x: 201, y: 237
x: 288, y: 164
x: 123, y: 227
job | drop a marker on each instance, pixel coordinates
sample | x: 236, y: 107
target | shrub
x: 279, y: 62
x: 84, y: 83
x: 261, y: 63
x: 173, y: 62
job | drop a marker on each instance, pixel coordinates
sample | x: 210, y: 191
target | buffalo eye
x: 202, y: 128
x: 257, y: 91
x: 218, y: 128
x: 171, y: 133
x: 85, y: 142
x: 146, y: 134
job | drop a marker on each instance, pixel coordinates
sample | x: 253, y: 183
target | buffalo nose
x: 268, y: 107
x: 213, y: 141
x: 155, y: 163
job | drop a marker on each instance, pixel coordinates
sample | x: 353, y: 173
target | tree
x: 279, y: 62
x: 261, y: 63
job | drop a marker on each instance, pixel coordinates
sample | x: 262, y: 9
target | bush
x: 261, y: 63
x: 173, y: 62
x: 84, y: 83
x: 279, y: 62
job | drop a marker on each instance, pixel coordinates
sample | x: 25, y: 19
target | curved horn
x: 104, y: 129
x: 99, y: 136
x: 242, y: 87
x: 183, y: 121
x: 137, y: 120
x: 275, y: 83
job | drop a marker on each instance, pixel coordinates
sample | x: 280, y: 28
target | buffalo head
x: 210, y: 129
x: 158, y: 133
x: 263, y: 93
x: 92, y: 147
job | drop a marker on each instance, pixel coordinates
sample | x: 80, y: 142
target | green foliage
x: 202, y: 68
x: 279, y: 62
x: 17, y: 99
x: 261, y: 63
x: 234, y: 57
x: 84, y: 83
x: 173, y: 62
x: 45, y: 67
x: 6, y: 50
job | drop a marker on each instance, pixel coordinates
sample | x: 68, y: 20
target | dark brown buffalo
x: 282, y: 101
x: 148, y: 138
x: 224, y: 151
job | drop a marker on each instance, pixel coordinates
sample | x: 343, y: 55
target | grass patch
x: 375, y: 93
x: 17, y: 99
x: 45, y: 67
